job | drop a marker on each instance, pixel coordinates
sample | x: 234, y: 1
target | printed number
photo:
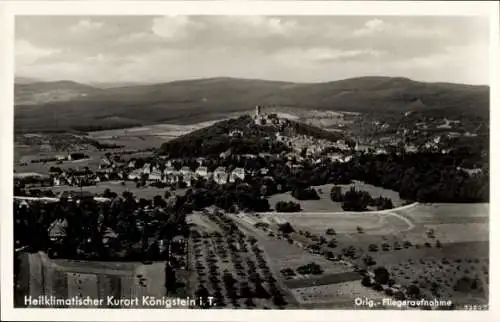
x: 480, y: 307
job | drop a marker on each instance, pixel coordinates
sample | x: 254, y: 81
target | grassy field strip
x: 333, y: 295
x: 84, y: 269
x: 323, y: 280
x: 202, y: 221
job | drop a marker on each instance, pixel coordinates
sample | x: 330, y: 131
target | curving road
x: 390, y: 212
x: 369, y: 212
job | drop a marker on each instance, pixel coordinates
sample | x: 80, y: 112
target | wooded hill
x: 192, y: 101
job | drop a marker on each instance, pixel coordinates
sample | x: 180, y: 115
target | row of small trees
x: 311, y: 268
x: 250, y: 281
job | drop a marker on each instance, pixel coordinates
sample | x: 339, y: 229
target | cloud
x: 295, y: 48
x: 259, y: 26
x: 26, y: 53
x: 86, y: 26
x: 326, y: 55
x: 370, y: 27
x: 171, y: 27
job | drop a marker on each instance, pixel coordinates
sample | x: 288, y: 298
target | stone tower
x: 257, y: 111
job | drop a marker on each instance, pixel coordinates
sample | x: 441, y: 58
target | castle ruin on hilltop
x: 262, y: 118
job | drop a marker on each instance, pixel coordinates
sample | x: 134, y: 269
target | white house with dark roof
x: 169, y: 170
x: 57, y: 181
x: 185, y: 170
x: 146, y: 169
x: 173, y: 178
x: 238, y: 173
x: 136, y: 174
x: 57, y: 229
x: 220, y: 175
x: 155, y: 176
x: 202, y: 172
x: 236, y: 133
x: 188, y: 178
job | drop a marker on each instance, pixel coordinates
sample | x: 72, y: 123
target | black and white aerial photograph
x: 256, y: 162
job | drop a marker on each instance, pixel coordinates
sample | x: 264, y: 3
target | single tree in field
x: 330, y: 231
x: 368, y: 260
x: 332, y: 243
x: 336, y: 194
x: 413, y: 291
x: 381, y: 275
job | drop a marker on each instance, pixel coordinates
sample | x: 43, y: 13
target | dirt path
x: 410, y: 224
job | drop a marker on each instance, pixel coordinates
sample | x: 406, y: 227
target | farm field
x: 44, y: 167
x: 446, y: 278
x: 151, y: 136
x: 340, y: 295
x: 420, y: 244
x: 92, y: 162
x: 452, y: 223
x: 325, y: 204
x: 323, y: 280
x: 286, y: 255
x: 202, y: 223
x: 230, y: 266
x: 139, y: 138
x: 344, y: 223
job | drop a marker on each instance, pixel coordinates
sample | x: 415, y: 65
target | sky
x: 149, y: 49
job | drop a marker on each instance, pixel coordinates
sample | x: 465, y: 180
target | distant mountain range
x: 36, y: 93
x: 25, y: 80
x: 43, y: 106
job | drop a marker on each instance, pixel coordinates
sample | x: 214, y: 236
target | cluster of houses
x: 85, y: 177
x: 171, y: 176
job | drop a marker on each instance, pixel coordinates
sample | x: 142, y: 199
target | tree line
x: 359, y: 200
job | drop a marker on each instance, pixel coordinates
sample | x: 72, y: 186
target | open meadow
x: 286, y: 255
x: 325, y: 204
x: 151, y: 136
